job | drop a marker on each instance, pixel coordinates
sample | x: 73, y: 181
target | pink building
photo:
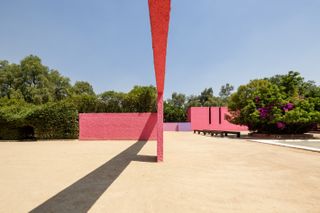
x: 143, y: 126
x: 211, y: 118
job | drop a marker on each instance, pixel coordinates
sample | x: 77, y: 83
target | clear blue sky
x: 211, y: 42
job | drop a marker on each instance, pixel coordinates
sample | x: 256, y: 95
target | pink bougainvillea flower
x: 281, y: 125
x: 288, y: 107
x: 263, y: 112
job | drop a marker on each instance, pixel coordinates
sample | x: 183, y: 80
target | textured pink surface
x: 199, y: 118
x: 160, y: 127
x: 115, y: 126
x: 159, y: 11
x: 159, y: 18
x: 179, y: 126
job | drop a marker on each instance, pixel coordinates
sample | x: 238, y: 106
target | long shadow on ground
x: 81, y: 195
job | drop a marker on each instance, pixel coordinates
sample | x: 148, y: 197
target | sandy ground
x: 200, y: 174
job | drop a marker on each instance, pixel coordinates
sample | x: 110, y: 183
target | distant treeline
x: 38, y: 101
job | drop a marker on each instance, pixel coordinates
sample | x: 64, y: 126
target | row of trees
x: 32, y: 97
x: 34, y: 83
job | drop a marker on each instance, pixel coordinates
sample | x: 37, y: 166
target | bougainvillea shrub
x: 283, y: 104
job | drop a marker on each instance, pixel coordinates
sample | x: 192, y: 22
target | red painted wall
x: 117, y: 126
x: 200, y: 119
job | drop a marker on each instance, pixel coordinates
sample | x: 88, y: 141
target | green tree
x: 83, y: 88
x: 112, y: 101
x: 177, y: 100
x: 207, y: 98
x: 310, y: 89
x: 8, y: 79
x: 193, y: 101
x: 173, y: 113
x: 175, y: 108
x: 141, y: 99
x: 33, y: 81
x: 225, y: 93
x: 290, y: 84
x: 84, y: 103
x: 275, y: 105
x: 61, y: 87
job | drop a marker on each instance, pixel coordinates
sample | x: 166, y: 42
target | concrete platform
x: 199, y: 174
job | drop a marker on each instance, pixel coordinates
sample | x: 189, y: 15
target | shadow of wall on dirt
x: 81, y: 195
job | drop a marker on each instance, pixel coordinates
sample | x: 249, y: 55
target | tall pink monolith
x: 159, y: 18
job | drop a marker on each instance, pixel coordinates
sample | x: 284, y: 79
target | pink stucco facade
x: 211, y: 118
x: 117, y: 126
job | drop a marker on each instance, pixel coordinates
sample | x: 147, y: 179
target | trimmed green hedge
x: 49, y: 121
x: 54, y: 121
x: 12, y: 120
x: 10, y: 133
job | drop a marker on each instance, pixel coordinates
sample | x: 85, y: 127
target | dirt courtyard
x: 199, y: 174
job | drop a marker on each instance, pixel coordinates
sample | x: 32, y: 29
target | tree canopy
x: 32, y: 81
x: 280, y: 104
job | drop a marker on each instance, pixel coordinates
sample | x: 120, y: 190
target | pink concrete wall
x: 227, y: 125
x: 117, y: 126
x: 177, y: 126
x: 199, y: 118
x: 170, y: 127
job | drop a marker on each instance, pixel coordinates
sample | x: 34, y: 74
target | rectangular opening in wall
x: 219, y: 115
x: 209, y: 115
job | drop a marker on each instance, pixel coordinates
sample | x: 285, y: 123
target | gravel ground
x: 199, y: 174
